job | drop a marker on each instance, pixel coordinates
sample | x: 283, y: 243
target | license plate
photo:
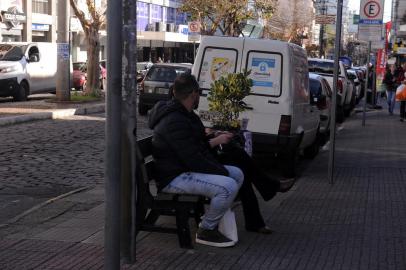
x: 163, y: 91
x: 207, y: 116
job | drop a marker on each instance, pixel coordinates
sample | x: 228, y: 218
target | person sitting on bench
x: 184, y: 163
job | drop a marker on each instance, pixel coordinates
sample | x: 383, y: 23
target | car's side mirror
x: 33, y: 58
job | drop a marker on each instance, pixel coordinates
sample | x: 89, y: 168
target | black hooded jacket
x: 179, y: 143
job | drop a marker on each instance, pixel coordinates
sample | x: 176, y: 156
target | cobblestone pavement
x: 42, y: 159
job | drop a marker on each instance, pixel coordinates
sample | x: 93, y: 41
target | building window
x: 142, y: 16
x: 181, y: 18
x: 170, y: 15
x: 156, y: 13
x: 40, y: 6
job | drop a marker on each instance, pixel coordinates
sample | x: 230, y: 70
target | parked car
x: 80, y: 76
x: 320, y: 96
x: 353, y: 75
x: 278, y: 110
x: 345, y: 88
x: 27, y: 68
x: 156, y: 84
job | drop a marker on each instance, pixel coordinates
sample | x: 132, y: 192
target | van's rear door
x: 217, y: 56
x: 268, y: 101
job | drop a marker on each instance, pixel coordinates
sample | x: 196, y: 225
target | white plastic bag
x: 228, y: 226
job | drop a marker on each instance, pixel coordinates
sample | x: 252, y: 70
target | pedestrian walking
x: 402, y: 98
x: 390, y: 82
x: 184, y: 163
x: 402, y: 81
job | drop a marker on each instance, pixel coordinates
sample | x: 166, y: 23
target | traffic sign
x: 194, y: 31
x: 371, y: 20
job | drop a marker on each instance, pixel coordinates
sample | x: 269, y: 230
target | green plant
x: 225, y: 99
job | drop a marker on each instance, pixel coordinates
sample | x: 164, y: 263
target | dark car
x: 320, y: 96
x: 156, y: 84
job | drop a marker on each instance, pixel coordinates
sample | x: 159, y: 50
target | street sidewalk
x: 356, y: 223
x: 34, y: 109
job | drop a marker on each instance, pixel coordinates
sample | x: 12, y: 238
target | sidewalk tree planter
x: 226, y: 99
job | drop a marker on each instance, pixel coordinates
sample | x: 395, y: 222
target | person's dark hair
x: 184, y: 85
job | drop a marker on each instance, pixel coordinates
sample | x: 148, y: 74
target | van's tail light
x: 340, y: 86
x: 285, y: 124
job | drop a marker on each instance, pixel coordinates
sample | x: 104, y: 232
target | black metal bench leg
x: 182, y: 225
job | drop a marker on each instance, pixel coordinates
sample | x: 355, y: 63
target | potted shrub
x: 226, y: 100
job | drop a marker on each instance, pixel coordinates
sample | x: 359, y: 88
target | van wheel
x: 289, y: 162
x: 22, y: 92
x: 312, y: 150
x: 340, y: 115
x: 142, y: 109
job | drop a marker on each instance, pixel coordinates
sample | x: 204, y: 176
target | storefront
x: 11, y: 20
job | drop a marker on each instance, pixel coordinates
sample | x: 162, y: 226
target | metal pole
x: 374, y: 98
x: 113, y: 135
x: 366, y: 84
x: 128, y: 146
x: 335, y: 82
x: 63, y: 51
x: 194, y: 51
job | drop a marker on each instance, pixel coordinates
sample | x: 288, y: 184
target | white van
x: 279, y: 113
x: 27, y: 68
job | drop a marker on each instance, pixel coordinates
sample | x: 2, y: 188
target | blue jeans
x: 222, y: 191
x: 391, y: 95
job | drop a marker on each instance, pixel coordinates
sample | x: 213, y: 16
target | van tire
x: 22, y: 93
x: 142, y: 109
x: 312, y: 150
x: 289, y: 161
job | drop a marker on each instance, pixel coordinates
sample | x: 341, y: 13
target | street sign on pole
x: 194, y: 31
x: 371, y: 20
x: 370, y: 30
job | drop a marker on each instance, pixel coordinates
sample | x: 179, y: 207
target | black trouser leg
x: 252, y: 215
x: 403, y: 109
x: 266, y: 186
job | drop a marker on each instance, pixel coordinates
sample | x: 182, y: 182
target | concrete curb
x: 55, y: 114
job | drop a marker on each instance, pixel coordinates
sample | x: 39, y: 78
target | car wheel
x: 340, y: 115
x: 142, y: 109
x: 22, y: 92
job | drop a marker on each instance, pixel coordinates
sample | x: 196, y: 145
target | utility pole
x: 335, y: 83
x: 113, y: 134
x: 128, y: 135
x: 63, y: 52
x: 323, y: 10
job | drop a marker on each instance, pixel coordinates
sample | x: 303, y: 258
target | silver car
x: 156, y: 84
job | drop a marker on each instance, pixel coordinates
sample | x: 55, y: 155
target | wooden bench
x: 151, y: 205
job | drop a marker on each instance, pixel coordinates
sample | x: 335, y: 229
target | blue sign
x: 40, y: 27
x: 261, y: 72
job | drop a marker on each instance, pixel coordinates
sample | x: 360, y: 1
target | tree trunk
x: 93, y: 62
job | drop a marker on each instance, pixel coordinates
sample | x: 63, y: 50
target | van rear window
x: 216, y: 63
x: 266, y: 72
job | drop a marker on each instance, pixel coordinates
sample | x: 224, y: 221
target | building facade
x: 398, y: 33
x: 28, y: 20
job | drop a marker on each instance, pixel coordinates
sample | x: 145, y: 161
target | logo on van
x: 13, y: 17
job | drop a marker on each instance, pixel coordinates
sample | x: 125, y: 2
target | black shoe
x: 213, y: 238
x: 287, y: 184
x: 401, y: 119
